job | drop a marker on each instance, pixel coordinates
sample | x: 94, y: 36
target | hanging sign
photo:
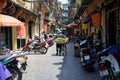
x: 96, y: 19
x: 21, y: 32
x: 84, y: 26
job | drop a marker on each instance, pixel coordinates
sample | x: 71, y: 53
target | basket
x: 61, y: 40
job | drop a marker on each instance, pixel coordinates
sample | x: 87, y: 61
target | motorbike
x: 22, y: 61
x: 107, y: 64
x: 36, y: 46
x: 10, y: 63
x: 4, y: 72
x: 87, y: 60
x: 50, y: 42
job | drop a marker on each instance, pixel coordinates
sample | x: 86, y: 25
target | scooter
x: 50, y: 42
x: 22, y: 61
x: 107, y: 64
x: 10, y: 63
x: 13, y: 64
x: 4, y: 72
x: 36, y: 46
x: 87, y: 60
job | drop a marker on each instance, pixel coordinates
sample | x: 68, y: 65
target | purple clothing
x: 4, y: 73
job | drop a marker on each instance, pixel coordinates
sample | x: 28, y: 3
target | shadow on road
x: 72, y: 70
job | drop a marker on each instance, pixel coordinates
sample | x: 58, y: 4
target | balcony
x: 45, y: 7
x: 19, y: 2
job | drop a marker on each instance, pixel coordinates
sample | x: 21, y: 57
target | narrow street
x: 25, y: 23
x: 52, y: 67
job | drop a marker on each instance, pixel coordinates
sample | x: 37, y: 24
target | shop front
x: 15, y: 36
x: 111, y: 22
x: 6, y: 24
x: 109, y: 12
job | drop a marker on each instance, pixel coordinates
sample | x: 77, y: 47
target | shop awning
x: 71, y: 25
x: 82, y: 8
x: 6, y: 20
x: 93, y: 6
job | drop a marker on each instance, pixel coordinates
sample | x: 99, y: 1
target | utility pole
x: 39, y: 16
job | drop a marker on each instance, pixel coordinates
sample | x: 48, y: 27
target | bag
x: 4, y: 72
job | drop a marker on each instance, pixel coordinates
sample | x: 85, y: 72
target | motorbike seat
x: 3, y: 57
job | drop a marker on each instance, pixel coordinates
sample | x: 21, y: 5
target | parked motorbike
x: 107, y: 64
x: 22, y: 61
x: 4, y: 72
x: 11, y: 64
x: 50, y: 42
x: 87, y: 59
x: 36, y: 46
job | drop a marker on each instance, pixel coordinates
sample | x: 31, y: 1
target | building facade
x: 101, y: 17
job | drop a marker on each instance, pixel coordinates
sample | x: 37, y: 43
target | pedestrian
x: 76, y: 49
x: 59, y: 39
x: 58, y: 48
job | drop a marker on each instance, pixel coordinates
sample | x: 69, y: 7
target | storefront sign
x: 84, y: 26
x: 96, y: 19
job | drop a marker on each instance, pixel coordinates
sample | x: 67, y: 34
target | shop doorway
x: 6, y: 37
x: 21, y: 42
x: 112, y: 26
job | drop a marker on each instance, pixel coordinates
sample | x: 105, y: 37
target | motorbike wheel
x: 89, y: 68
x: 43, y: 50
x: 24, y: 50
x: 111, y: 74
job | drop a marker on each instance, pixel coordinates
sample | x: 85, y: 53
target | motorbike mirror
x: 83, y: 42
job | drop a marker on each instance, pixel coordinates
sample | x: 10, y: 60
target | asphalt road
x: 52, y: 67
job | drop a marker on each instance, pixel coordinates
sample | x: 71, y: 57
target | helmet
x: 29, y: 40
